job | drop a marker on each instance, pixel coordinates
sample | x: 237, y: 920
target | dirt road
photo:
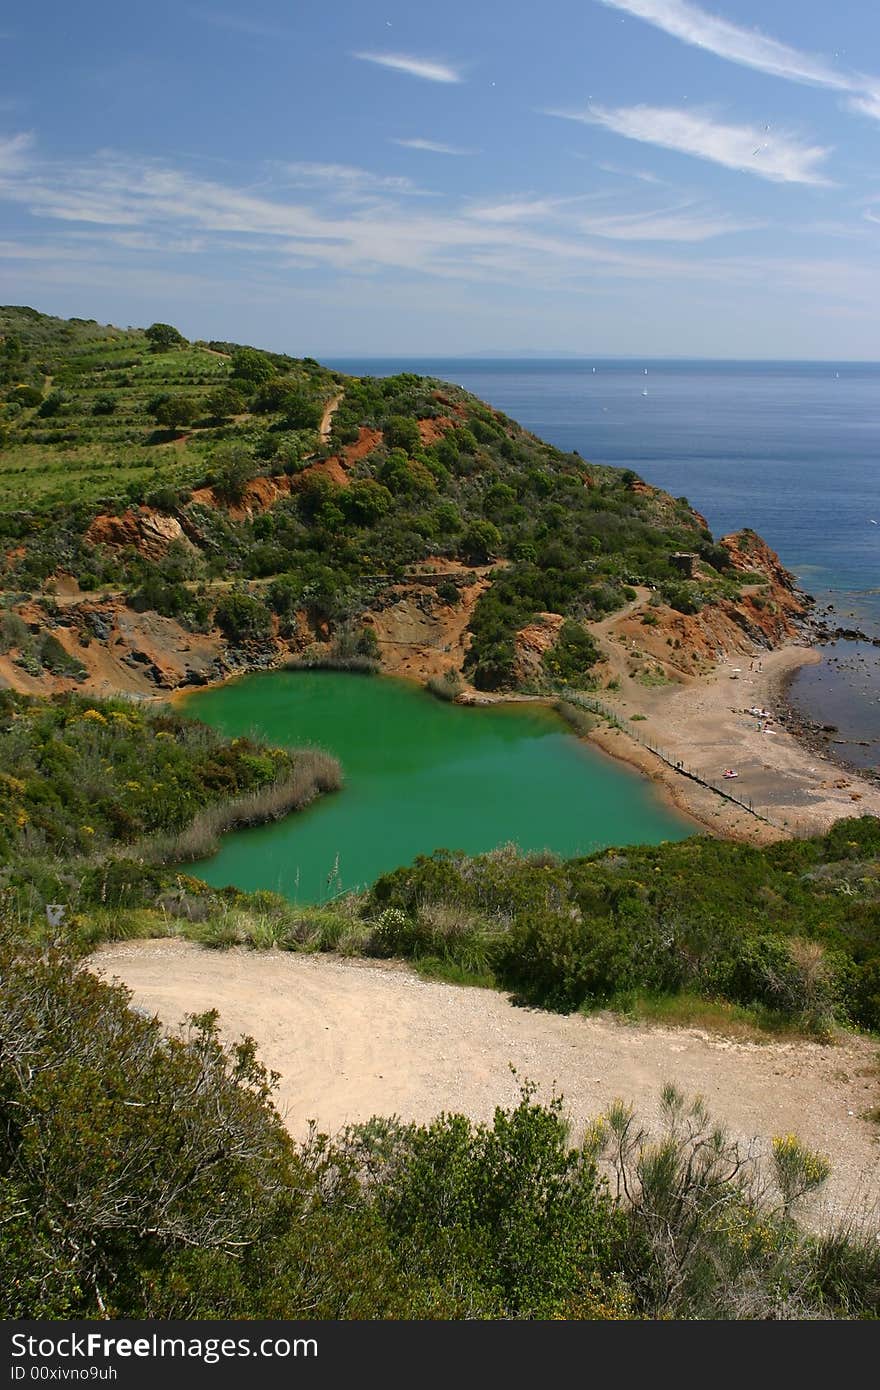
x: 355, y: 1038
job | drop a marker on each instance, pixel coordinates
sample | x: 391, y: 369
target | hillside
x: 174, y: 511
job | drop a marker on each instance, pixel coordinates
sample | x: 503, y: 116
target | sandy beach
x: 353, y: 1038
x: 703, y: 721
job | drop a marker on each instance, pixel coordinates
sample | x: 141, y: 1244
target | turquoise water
x: 420, y: 775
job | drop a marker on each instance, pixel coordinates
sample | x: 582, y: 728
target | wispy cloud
x: 670, y: 224
x: 867, y: 105
x: 14, y: 151
x: 780, y: 157
x: 642, y: 175
x: 752, y: 49
x: 349, y: 178
x: 426, y: 68
x: 126, y: 218
x: 239, y: 24
x: 748, y: 47
x: 517, y: 209
x: 433, y: 146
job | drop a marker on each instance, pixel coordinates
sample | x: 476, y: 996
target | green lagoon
x: 420, y: 775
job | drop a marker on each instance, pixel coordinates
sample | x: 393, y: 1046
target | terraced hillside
x: 172, y: 511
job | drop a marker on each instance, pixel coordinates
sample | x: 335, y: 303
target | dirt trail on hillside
x: 327, y: 418
x: 356, y: 1038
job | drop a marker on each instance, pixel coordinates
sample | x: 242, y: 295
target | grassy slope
x: 78, y: 456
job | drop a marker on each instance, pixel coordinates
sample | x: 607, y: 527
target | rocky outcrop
x: 145, y: 530
x: 750, y: 554
x: 531, y: 644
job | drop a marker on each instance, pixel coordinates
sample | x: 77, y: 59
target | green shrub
x: 571, y: 657
x: 241, y: 618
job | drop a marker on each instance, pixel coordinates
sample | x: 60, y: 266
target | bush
x: 224, y: 401
x: 402, y: 432
x: 480, y: 542
x: 54, y: 404
x: 248, y: 365
x: 242, y: 618
x: 173, y: 409
x: 571, y: 657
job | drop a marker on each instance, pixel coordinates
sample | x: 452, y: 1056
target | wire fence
x: 796, y: 828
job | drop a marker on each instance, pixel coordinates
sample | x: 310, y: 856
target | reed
x: 314, y: 773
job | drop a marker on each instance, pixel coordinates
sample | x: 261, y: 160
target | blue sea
x: 791, y: 449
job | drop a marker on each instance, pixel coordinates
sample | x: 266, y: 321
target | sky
x: 599, y: 177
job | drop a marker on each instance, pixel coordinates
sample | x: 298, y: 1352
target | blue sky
x: 646, y: 177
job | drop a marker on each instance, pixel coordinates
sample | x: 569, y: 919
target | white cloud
x: 14, y: 150
x: 748, y: 47
x: 433, y: 146
x: 752, y: 49
x: 643, y: 175
x: 673, y: 224
x: 867, y: 105
x: 777, y: 156
x: 28, y: 251
x: 239, y: 24
x: 349, y: 177
x: 127, y: 214
x: 426, y: 68
x: 517, y: 209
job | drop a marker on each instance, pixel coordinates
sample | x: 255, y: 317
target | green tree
x: 402, y: 432
x: 251, y: 366
x: 163, y: 337
x: 224, y: 401
x: 233, y: 467
x: 480, y: 542
x: 171, y: 409
x: 240, y: 617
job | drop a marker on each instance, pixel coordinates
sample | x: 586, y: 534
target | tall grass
x: 446, y: 687
x: 327, y: 661
x: 314, y: 773
x: 579, y: 720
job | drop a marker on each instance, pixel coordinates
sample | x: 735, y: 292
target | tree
x: 233, y: 469
x: 53, y: 404
x: 251, y: 366
x: 224, y: 401
x: 163, y: 337
x: 172, y: 410
x: 481, y: 540
x: 239, y: 617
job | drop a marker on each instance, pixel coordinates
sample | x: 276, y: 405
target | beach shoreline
x: 703, y: 722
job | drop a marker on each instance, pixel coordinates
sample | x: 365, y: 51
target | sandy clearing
x: 355, y: 1038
